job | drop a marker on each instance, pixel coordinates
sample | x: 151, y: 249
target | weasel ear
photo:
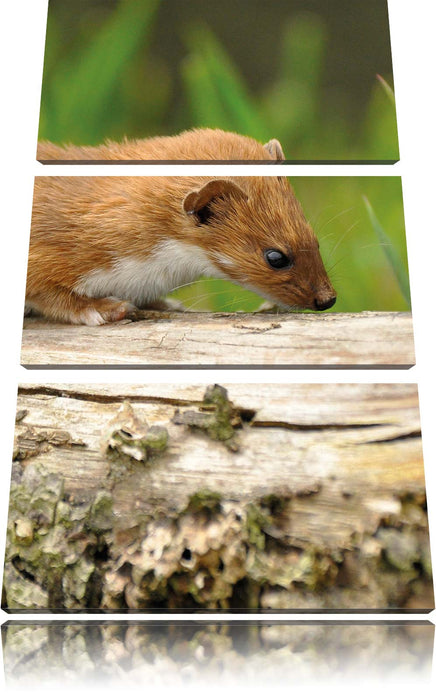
x: 198, y: 201
x: 275, y: 150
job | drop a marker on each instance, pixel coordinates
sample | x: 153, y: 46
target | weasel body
x: 102, y: 246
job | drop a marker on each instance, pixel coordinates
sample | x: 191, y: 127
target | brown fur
x: 85, y: 224
x: 197, y: 145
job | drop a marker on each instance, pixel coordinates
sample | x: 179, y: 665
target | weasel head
x: 254, y: 231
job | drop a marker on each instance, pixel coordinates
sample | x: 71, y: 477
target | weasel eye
x: 277, y: 260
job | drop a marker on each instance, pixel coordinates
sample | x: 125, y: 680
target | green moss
x: 217, y: 417
x: 256, y: 521
x: 101, y: 516
x: 131, y: 442
x: 204, y: 501
x: 51, y: 540
x: 274, y: 503
x: 23, y: 531
x: 156, y: 438
x: 218, y: 396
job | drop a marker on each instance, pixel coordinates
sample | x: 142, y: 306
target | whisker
x: 188, y: 284
x: 235, y: 300
x: 344, y: 257
x: 362, y: 247
x: 314, y: 221
x: 336, y: 216
x: 342, y: 238
x: 376, y: 245
x: 328, y: 235
x: 210, y: 293
x: 196, y: 300
x: 199, y: 298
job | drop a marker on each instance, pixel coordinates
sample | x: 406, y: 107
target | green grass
x: 392, y: 254
x: 78, y: 100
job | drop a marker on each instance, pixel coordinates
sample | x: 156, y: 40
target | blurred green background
x: 302, y: 71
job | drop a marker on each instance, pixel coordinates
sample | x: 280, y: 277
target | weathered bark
x: 165, y: 339
x: 293, y: 497
x: 150, y: 653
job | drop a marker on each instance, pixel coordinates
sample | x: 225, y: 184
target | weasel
x: 194, y: 145
x: 101, y: 247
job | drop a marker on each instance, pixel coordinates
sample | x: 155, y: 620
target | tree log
x: 171, y: 339
x: 285, y: 497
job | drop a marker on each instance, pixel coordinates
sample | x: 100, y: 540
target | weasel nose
x: 323, y: 303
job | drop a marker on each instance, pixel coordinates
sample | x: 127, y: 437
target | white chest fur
x: 142, y: 281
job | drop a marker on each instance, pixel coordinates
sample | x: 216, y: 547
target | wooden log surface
x: 326, y: 487
x: 173, y: 339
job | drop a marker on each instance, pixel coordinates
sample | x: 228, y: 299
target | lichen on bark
x: 214, y: 553
x: 52, y: 541
x: 287, y: 522
x: 217, y: 417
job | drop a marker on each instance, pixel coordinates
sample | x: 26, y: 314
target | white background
x: 413, y: 29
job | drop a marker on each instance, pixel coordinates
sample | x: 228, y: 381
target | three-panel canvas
x: 213, y: 246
